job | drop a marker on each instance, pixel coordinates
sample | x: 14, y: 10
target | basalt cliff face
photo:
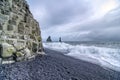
x: 19, y: 31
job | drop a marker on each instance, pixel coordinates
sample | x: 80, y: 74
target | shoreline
x: 56, y: 66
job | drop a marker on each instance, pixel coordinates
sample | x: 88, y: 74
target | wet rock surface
x: 55, y: 66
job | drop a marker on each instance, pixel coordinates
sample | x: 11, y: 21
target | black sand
x: 56, y: 66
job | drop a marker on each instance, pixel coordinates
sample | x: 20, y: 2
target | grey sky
x: 78, y: 20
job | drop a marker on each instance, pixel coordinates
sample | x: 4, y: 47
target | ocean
x: 105, y: 54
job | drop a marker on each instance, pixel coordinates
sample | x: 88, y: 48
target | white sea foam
x: 106, y: 57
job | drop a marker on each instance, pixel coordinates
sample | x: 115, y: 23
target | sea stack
x: 60, y: 39
x: 19, y: 31
x: 49, y: 39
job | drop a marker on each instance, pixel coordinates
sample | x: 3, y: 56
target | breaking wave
x: 106, y: 57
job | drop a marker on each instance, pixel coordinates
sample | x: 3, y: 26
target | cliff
x: 19, y: 31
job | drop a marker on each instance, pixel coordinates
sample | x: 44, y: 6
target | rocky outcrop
x: 49, y: 39
x: 60, y: 40
x: 19, y: 31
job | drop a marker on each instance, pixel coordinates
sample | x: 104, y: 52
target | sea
x: 106, y: 54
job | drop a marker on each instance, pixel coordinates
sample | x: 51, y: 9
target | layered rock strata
x: 19, y: 31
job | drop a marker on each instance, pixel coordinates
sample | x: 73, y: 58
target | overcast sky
x: 78, y: 20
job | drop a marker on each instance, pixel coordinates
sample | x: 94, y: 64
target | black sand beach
x: 55, y: 66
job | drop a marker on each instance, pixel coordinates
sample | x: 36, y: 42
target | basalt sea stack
x: 19, y: 32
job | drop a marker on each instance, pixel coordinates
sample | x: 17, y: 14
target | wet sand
x: 56, y: 66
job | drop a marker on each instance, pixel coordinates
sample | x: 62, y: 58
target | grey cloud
x: 59, y: 13
x: 104, y: 29
x: 106, y: 35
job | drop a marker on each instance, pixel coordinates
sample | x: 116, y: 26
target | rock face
x: 19, y: 31
x: 49, y: 39
x: 60, y: 40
